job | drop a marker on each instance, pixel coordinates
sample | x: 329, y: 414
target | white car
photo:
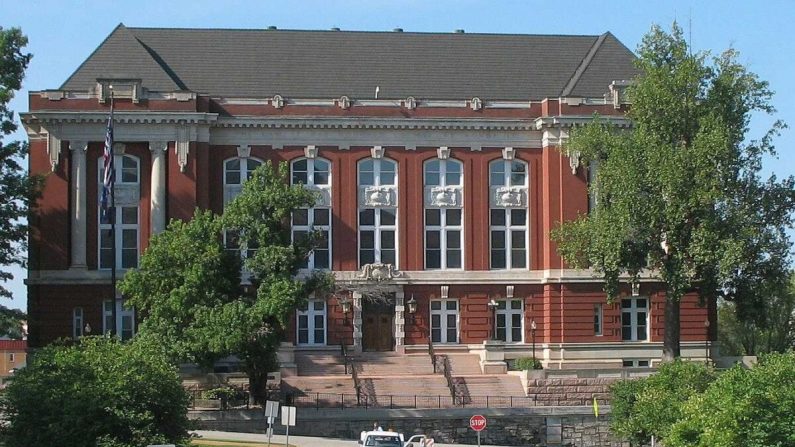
x: 380, y: 438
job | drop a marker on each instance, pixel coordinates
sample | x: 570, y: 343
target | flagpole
x: 114, y: 326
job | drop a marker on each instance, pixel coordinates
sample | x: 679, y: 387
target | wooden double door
x: 378, y: 326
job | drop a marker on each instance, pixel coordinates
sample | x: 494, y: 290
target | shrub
x: 642, y: 408
x: 527, y: 363
x: 743, y: 408
x: 98, y: 392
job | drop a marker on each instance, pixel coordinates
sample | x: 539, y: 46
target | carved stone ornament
x: 476, y: 103
x: 277, y: 101
x: 410, y: 103
x: 344, y: 102
x: 375, y: 196
x: 509, y: 292
x: 445, y: 292
x: 323, y: 195
x: 508, y: 153
x: 377, y: 152
x: 119, y: 148
x: 53, y: 150
x: 443, y: 196
x: 244, y: 151
x: 182, y: 147
x: 443, y: 153
x: 508, y: 197
x: 310, y: 151
x: 379, y: 272
x: 574, y: 160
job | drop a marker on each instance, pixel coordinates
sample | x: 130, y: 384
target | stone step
x: 464, y: 364
x: 314, y: 384
x: 490, y: 385
x: 319, y: 364
x: 390, y: 364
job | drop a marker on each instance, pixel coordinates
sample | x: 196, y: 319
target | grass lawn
x: 225, y: 443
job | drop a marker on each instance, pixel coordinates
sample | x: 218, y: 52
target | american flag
x: 110, y: 176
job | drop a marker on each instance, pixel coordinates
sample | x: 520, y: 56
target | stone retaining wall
x: 570, y: 391
x: 549, y: 426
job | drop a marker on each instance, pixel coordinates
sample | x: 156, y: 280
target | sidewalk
x: 298, y: 441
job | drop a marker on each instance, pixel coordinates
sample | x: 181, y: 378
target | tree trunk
x: 256, y: 383
x: 671, y: 348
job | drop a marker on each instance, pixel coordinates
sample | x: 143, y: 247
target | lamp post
x: 345, y: 304
x: 412, y: 308
x: 706, y: 340
x: 493, y: 308
x: 533, y: 335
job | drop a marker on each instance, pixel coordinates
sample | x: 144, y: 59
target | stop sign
x: 477, y: 422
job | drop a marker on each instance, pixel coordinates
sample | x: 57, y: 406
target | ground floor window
x: 311, y: 325
x: 509, y: 318
x: 77, y: 322
x: 635, y: 363
x: 125, y: 319
x: 444, y: 321
x: 634, y: 313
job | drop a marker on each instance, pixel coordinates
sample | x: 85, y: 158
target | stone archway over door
x: 378, y: 326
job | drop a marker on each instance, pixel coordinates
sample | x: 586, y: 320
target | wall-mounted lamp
x: 411, y: 305
x: 87, y: 329
x: 635, y: 288
x: 345, y: 304
x: 533, y: 334
x: 492, y: 305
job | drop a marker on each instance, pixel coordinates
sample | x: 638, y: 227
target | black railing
x: 432, y: 354
x: 351, y: 401
x: 448, y: 376
x: 344, y: 354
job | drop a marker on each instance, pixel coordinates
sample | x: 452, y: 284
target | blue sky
x: 62, y: 34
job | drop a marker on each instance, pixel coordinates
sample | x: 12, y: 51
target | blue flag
x: 109, y: 177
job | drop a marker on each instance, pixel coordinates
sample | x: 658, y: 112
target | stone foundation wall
x: 570, y: 391
x: 550, y: 426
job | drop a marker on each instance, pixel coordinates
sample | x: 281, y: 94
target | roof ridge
x: 575, y: 77
x: 162, y: 64
x: 118, y: 27
x: 265, y: 30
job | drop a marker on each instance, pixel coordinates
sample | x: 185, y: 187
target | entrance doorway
x: 378, y: 325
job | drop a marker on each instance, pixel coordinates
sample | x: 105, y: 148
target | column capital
x: 158, y: 146
x: 78, y: 146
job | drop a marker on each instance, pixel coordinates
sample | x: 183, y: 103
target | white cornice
x: 315, y: 122
x: 42, y: 117
x: 581, y: 120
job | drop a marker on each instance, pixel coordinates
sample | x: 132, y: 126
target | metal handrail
x: 344, y: 353
x: 432, y: 354
x: 449, y: 377
x: 356, y: 385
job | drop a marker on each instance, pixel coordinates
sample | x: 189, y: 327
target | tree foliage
x: 11, y: 323
x: 742, y: 408
x: 17, y: 190
x: 773, y: 329
x: 680, y: 193
x: 646, y: 407
x: 98, y: 392
x: 188, y: 287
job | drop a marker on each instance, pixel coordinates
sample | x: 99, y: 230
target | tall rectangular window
x: 125, y: 215
x: 311, y: 327
x: 315, y: 173
x: 508, y: 216
x: 509, y: 317
x: 378, y: 217
x: 597, y: 319
x: 444, y: 321
x: 443, y: 214
x: 125, y: 319
x: 634, y: 324
x: 77, y: 322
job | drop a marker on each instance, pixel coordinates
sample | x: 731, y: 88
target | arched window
x: 77, y: 322
x: 378, y: 217
x: 443, y: 214
x: 126, y: 214
x: 315, y: 173
x: 508, y: 182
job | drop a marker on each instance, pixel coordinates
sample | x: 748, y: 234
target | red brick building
x: 438, y: 160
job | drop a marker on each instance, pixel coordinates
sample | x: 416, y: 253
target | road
x: 298, y: 441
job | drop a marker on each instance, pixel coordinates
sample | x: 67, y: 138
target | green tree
x: 97, y: 392
x: 17, y: 189
x: 11, y: 322
x: 188, y: 287
x: 680, y: 193
x: 773, y: 329
x: 646, y: 407
x: 743, y: 408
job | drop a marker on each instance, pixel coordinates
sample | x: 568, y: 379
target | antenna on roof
x: 459, y: 31
x: 377, y: 89
x: 272, y: 27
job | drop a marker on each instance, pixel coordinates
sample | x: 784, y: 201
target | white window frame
x: 77, y: 322
x: 598, y: 319
x: 122, y: 313
x: 633, y: 310
x: 311, y: 224
x: 508, y: 228
x: 118, y: 165
x: 505, y: 309
x: 443, y: 227
x: 443, y: 312
x: 377, y: 227
x: 11, y: 358
x: 232, y: 190
x: 635, y: 363
x: 310, y: 313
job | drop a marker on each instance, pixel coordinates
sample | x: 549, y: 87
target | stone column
x: 400, y: 321
x: 357, y: 321
x: 79, y: 203
x: 157, y: 194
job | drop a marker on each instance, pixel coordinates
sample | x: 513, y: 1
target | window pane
x: 301, y: 217
x: 433, y: 217
x: 641, y: 318
x: 641, y: 303
x: 453, y: 239
x: 432, y: 239
x: 451, y: 319
x: 451, y: 305
x: 319, y: 321
x: 431, y: 179
x: 454, y: 259
x: 453, y: 217
x: 366, y: 178
x: 626, y: 318
x: 106, y: 240
x: 497, y: 173
x: 501, y: 319
x: 436, y: 305
x: 129, y: 215
x: 319, y: 337
x: 498, y: 217
x: 517, y: 173
x: 366, y: 256
x: 387, y: 178
x: 299, y: 165
x: 233, y: 177
x: 388, y: 216
x: 641, y: 335
x: 129, y: 258
x: 388, y: 256
x: 321, y: 258
x: 433, y: 259
x: 299, y: 178
x: 626, y: 333
x: 626, y: 304
x: 319, y: 306
x: 129, y: 238
x: 452, y: 336
x: 322, y: 216
x: 452, y: 178
x: 497, y: 259
x: 501, y: 334
x: 436, y: 335
x: 517, y: 239
x: 321, y: 165
x: 387, y: 165
x: 432, y: 166
x: 367, y: 217
x: 516, y: 320
x: 321, y: 178
x: 387, y: 239
x: 516, y: 334
x: 303, y: 336
x: 518, y: 260
x: 497, y: 239
x: 366, y: 165
x: 129, y: 175
x: 518, y: 217
x: 251, y: 165
x: 367, y: 239
x: 516, y: 304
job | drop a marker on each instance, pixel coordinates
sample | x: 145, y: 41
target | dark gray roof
x: 326, y: 64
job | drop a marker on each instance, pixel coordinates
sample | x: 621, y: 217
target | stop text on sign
x: 477, y: 422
